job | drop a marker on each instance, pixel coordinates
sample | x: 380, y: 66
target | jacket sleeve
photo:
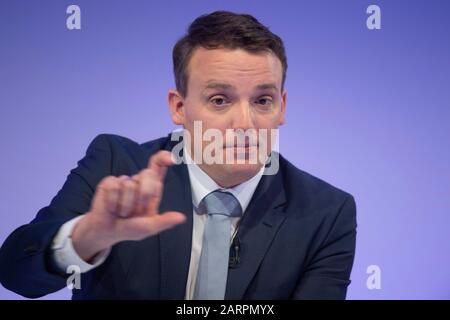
x: 25, y: 256
x: 328, y: 275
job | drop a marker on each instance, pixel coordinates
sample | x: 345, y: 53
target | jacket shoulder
x: 307, y: 190
x: 117, y: 141
x: 114, y: 141
x: 121, y: 153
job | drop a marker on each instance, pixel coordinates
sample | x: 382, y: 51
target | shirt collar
x: 202, y: 184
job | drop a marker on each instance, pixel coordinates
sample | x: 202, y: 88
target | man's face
x: 231, y: 89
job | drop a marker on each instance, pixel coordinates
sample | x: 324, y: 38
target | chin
x: 241, y: 171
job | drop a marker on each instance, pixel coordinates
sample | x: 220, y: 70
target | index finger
x: 159, y: 163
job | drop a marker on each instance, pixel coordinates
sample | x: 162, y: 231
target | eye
x: 264, y: 101
x: 219, y: 101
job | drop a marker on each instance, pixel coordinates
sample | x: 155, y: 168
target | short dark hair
x: 224, y: 29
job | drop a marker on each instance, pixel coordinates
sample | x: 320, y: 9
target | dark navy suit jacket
x: 297, y: 237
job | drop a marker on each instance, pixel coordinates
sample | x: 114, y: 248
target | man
x: 140, y: 225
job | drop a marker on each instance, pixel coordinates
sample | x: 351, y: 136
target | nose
x: 243, y: 117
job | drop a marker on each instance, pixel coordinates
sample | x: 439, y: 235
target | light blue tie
x: 213, y: 266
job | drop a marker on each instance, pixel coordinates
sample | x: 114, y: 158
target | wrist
x: 89, y: 238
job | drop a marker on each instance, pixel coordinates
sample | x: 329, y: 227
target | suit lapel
x: 175, y: 244
x: 256, y: 231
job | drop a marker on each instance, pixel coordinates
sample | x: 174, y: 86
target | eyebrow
x: 225, y: 86
x: 265, y: 86
x: 218, y: 85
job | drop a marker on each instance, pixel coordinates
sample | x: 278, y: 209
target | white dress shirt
x: 201, y: 186
x: 64, y: 254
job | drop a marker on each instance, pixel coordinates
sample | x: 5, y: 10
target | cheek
x: 267, y: 121
x: 206, y: 119
x: 197, y: 110
x: 191, y: 112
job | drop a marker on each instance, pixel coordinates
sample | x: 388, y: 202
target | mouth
x: 247, y: 143
x: 243, y: 146
x: 243, y: 149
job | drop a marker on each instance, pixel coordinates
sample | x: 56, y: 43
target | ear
x: 176, y: 106
x: 283, y: 108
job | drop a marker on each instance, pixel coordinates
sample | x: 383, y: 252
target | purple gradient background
x: 368, y: 111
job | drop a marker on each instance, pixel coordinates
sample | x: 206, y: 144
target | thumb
x: 167, y: 220
x: 137, y: 228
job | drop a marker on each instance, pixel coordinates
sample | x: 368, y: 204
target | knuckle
x: 106, y: 180
x: 148, y: 174
x: 146, y: 171
x: 130, y: 185
x: 107, y: 183
x: 114, y: 186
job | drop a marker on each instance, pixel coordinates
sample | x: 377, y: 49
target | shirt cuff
x: 64, y: 254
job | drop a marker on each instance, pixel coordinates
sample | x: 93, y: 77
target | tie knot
x: 220, y: 202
